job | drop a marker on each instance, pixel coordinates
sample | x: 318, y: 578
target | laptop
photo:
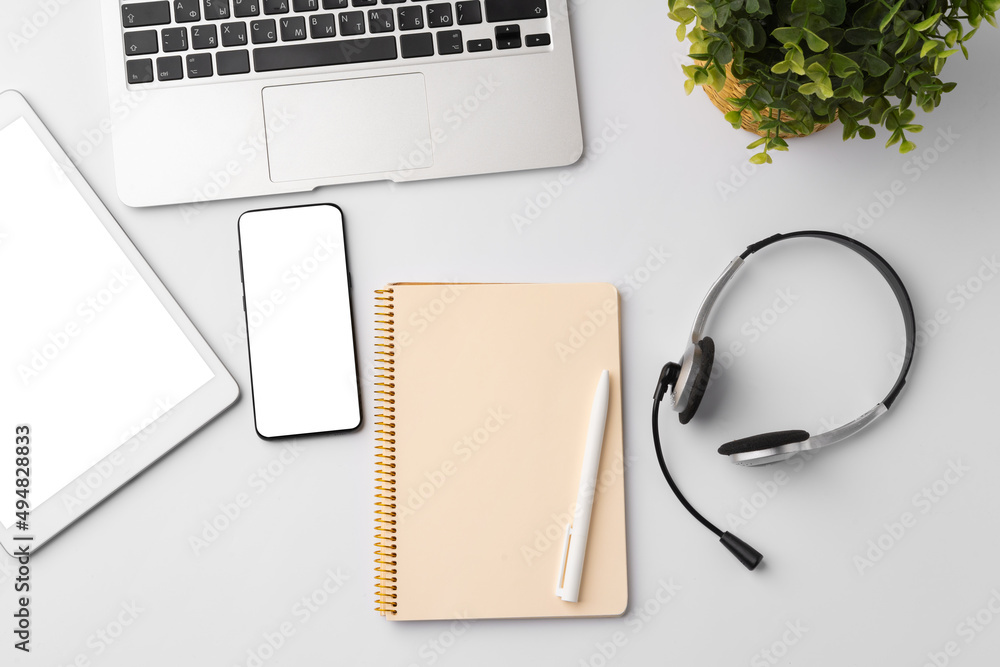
x: 214, y: 99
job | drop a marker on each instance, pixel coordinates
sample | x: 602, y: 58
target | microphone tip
x: 745, y: 553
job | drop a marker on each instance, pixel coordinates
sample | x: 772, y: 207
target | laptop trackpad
x: 347, y: 128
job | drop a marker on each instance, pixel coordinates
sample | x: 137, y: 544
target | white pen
x: 575, y: 542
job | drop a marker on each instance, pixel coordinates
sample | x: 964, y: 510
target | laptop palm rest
x: 345, y: 128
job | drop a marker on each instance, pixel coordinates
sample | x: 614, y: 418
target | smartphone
x: 300, y: 332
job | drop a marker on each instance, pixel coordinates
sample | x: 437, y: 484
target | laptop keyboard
x: 186, y: 40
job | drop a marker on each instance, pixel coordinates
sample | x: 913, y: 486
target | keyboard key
x: 319, y: 54
x: 170, y: 68
x: 246, y: 8
x: 216, y: 9
x: 508, y: 37
x: 263, y: 31
x: 174, y: 39
x: 139, y: 70
x: 334, y: 4
x: 305, y: 5
x: 381, y: 20
x: 232, y: 62
x: 410, y: 18
x: 499, y: 11
x: 477, y: 45
x: 439, y: 16
x: 322, y: 26
x: 469, y: 13
x: 275, y: 6
x: 538, y: 40
x: 199, y: 65
x: 204, y: 37
x: 416, y: 46
x: 364, y: 3
x: 392, y: 2
x: 234, y: 34
x: 352, y: 23
x: 293, y: 28
x: 140, y: 43
x: 450, y: 42
x: 141, y: 14
x: 187, y: 11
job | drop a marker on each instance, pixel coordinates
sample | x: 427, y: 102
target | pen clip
x: 562, y: 564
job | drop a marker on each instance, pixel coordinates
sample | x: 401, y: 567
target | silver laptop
x: 213, y: 99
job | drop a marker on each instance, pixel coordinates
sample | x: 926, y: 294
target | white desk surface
x: 124, y: 587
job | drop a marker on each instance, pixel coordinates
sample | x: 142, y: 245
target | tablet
x: 101, y: 373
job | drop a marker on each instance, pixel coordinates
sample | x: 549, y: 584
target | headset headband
x: 890, y: 276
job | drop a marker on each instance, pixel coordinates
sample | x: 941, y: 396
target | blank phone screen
x: 303, y: 370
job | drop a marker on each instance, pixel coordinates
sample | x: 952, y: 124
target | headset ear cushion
x: 700, y: 383
x: 755, y: 443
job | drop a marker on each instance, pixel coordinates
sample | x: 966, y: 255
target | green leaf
x: 862, y: 36
x: 929, y: 46
x: 867, y: 132
x: 704, y: 10
x: 909, y: 41
x: 807, y: 6
x: 723, y: 52
x: 835, y: 11
x: 927, y: 23
x: 759, y: 142
x: 815, y: 42
x: 817, y: 72
x: 681, y: 32
x: 744, y: 32
x: 875, y: 65
x: 842, y: 65
x: 734, y: 117
x: 811, y: 88
x: 759, y: 158
x: 888, y: 17
x: 758, y: 93
x: 907, y: 146
x: 752, y: 6
x: 787, y: 35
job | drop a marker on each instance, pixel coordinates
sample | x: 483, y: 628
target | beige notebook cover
x: 483, y: 400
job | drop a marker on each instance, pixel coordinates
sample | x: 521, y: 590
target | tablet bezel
x: 165, y: 431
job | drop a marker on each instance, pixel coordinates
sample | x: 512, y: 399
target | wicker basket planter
x: 735, y: 89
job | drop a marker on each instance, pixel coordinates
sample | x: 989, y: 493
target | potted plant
x: 784, y: 68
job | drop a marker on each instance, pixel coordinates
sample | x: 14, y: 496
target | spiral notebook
x: 483, y: 396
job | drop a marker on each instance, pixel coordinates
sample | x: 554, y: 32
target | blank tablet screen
x: 90, y: 355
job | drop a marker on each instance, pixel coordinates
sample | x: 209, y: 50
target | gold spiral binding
x: 385, y: 454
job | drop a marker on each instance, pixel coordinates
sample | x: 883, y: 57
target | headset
x: 688, y: 380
